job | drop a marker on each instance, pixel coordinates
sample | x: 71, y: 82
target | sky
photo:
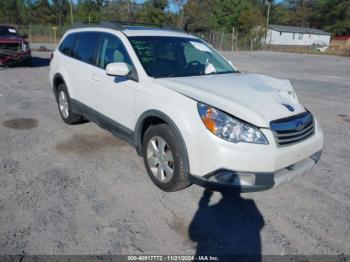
x: 172, y: 7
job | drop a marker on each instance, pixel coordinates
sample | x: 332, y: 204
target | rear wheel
x: 64, y: 107
x: 164, y: 158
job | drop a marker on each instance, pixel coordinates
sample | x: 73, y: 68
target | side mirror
x: 25, y: 36
x: 118, y: 69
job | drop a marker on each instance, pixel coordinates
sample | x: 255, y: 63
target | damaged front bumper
x: 13, y: 53
x: 253, y: 182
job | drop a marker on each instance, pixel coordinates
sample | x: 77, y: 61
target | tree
x: 153, y: 11
x: 43, y: 12
x: 243, y: 15
x: 89, y: 10
x: 192, y: 15
x: 333, y: 16
x: 120, y: 10
x: 280, y: 14
x: 197, y: 15
x: 252, y: 20
x: 12, y: 11
x: 61, y: 9
x: 180, y: 11
x: 330, y: 15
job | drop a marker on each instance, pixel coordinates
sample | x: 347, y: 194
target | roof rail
x: 118, y: 25
x: 102, y: 24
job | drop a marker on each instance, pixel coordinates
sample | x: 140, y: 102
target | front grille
x: 294, y: 129
x: 9, y: 49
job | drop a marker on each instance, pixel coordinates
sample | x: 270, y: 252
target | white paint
x: 242, y: 95
x: 256, y: 99
x: 210, y: 69
x: 117, y: 69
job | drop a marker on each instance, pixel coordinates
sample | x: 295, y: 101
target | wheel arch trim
x: 156, y: 113
x: 55, y: 78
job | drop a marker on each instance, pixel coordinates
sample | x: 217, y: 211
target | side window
x: 87, y: 47
x: 112, y: 50
x: 68, y: 44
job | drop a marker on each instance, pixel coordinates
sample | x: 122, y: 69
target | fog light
x: 238, y: 179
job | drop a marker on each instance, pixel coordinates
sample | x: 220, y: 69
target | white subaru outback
x: 189, y: 112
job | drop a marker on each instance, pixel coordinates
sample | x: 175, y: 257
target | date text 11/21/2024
x: 173, y: 258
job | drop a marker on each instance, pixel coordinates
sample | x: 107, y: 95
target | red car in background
x: 14, y: 49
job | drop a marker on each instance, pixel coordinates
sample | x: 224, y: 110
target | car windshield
x: 7, y: 31
x: 178, y: 57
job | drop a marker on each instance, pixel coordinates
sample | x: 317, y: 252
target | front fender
x: 178, y: 111
x: 166, y: 119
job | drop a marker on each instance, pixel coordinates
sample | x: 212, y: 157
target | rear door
x: 84, y: 65
x: 63, y: 61
x: 114, y: 97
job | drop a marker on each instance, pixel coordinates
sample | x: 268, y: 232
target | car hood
x: 254, y: 98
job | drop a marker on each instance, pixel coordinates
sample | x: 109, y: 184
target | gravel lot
x: 78, y: 190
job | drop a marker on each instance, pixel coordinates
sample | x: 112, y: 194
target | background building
x: 280, y: 35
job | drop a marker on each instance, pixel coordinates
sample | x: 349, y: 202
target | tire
x: 66, y: 113
x: 165, y: 169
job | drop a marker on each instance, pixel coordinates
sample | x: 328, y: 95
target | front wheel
x: 164, y: 158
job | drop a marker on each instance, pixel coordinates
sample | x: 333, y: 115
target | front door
x: 114, y: 97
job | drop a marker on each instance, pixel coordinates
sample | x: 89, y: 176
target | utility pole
x: 267, y: 20
x: 233, y: 39
x: 55, y: 33
x: 71, y: 12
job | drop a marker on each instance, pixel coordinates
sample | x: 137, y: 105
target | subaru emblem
x: 299, y: 125
x: 289, y: 107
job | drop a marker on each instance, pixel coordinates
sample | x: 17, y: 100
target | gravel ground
x: 79, y: 190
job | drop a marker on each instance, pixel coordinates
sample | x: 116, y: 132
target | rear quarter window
x: 67, y: 45
x: 87, y: 46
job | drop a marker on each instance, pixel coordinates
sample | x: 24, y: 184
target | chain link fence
x: 49, y: 35
x: 222, y: 41
x: 232, y: 41
x: 42, y: 33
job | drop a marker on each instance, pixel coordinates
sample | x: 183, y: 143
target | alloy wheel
x: 63, y: 104
x: 160, y: 159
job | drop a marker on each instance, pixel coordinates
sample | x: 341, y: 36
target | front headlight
x: 228, y: 127
x: 25, y: 47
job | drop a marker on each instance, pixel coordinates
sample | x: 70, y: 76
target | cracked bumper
x: 254, y: 181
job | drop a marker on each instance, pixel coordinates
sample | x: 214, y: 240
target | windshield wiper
x: 221, y: 73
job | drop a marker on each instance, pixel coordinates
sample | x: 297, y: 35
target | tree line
x: 191, y: 15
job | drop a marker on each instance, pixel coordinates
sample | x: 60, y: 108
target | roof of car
x: 154, y: 32
x: 135, y: 29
